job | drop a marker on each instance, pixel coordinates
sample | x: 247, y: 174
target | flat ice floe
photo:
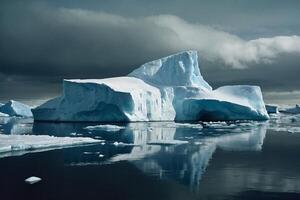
x: 105, y: 127
x: 11, y: 145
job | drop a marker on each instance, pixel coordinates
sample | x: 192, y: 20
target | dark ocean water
x: 240, y: 160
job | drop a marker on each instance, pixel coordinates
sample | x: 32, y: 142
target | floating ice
x: 91, y: 153
x: 167, y: 142
x: 123, y: 144
x: 33, y: 179
x: 14, y: 108
x: 285, y: 122
x: 272, y: 109
x: 294, y: 110
x: 18, y: 144
x: 106, y: 127
x: 167, y: 89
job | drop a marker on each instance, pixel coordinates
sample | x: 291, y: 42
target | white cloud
x: 76, y: 37
x: 178, y: 34
x: 216, y: 44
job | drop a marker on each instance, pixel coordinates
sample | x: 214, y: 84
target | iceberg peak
x: 179, y: 69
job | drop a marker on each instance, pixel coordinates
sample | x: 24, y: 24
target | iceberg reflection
x: 187, y: 162
x: 167, y: 150
x: 15, y: 125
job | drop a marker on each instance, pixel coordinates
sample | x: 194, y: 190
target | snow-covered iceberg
x: 167, y: 89
x: 15, y: 108
x: 272, y: 109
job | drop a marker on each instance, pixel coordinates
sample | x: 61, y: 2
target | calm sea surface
x: 240, y: 160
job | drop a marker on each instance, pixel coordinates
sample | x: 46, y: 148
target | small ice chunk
x: 167, y: 142
x: 272, y: 109
x: 33, y: 180
x: 123, y: 144
x: 106, y: 127
x: 91, y: 152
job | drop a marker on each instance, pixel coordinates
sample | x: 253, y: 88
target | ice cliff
x: 167, y: 89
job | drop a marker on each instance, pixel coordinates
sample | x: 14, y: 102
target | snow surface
x: 9, y: 144
x: 180, y: 69
x: 167, y: 89
x: 33, y: 179
x: 15, y: 108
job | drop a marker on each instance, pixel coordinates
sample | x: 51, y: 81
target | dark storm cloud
x: 46, y: 41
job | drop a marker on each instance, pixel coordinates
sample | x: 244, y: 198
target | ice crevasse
x: 168, y: 89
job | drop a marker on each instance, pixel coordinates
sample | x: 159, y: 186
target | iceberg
x: 293, y: 110
x: 15, y: 108
x: 272, y: 109
x: 168, y: 89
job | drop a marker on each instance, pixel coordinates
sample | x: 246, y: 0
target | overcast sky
x: 238, y: 41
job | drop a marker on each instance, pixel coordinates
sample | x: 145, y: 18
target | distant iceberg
x: 168, y: 89
x: 272, y: 109
x: 14, y: 108
x: 293, y: 110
